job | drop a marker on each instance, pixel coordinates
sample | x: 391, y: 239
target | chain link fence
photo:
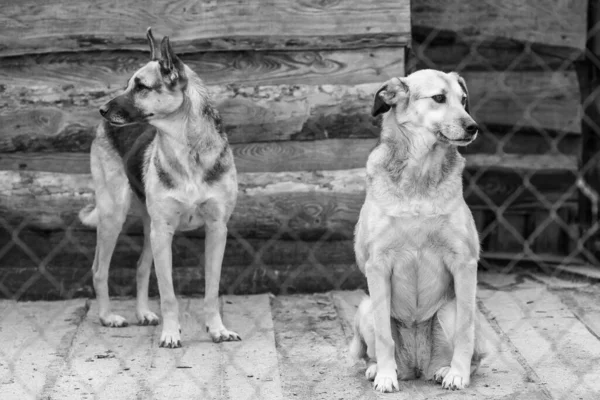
x: 531, y: 182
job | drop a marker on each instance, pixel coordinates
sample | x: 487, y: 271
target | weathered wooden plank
x: 308, y: 204
x: 306, y: 277
x: 37, y: 339
x: 76, y: 247
x: 328, y: 154
x: 312, y: 349
x: 249, y: 157
x: 551, y: 340
x: 30, y: 27
x: 104, y: 70
x: 55, y: 118
x: 584, y: 302
x: 250, y: 367
x: 108, y: 363
x: 543, y: 22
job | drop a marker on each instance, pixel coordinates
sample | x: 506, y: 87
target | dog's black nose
x: 104, y: 110
x: 472, y: 129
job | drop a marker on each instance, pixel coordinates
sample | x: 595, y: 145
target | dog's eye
x: 463, y: 100
x: 439, y: 98
x: 141, y: 86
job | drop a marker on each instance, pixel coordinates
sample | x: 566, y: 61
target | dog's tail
x: 358, y: 347
x: 89, y: 215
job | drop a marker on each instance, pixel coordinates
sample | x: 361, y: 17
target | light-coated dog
x: 162, y: 148
x: 416, y: 239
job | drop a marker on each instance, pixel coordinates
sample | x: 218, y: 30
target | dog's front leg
x: 380, y: 289
x: 465, y: 286
x: 216, y: 238
x: 161, y: 239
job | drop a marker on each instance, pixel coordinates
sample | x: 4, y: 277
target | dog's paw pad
x: 147, y: 318
x: 440, y: 374
x: 386, y: 382
x: 170, y: 340
x: 371, y: 372
x: 114, y: 321
x: 224, y: 335
x: 455, y: 380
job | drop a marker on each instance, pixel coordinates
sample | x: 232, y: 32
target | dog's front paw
x: 114, y: 321
x: 170, y: 338
x: 440, y: 374
x: 386, y: 381
x: 455, y: 380
x: 223, y: 335
x: 147, y: 317
x: 371, y: 371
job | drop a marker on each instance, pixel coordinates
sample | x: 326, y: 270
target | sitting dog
x: 162, y: 148
x: 416, y: 239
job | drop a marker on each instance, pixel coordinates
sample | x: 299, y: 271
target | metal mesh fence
x: 547, y: 220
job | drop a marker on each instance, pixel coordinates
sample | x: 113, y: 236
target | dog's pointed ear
x: 170, y: 64
x: 388, y: 95
x: 152, y: 44
x: 463, y: 85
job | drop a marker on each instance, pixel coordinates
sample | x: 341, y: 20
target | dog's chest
x: 415, y: 248
x: 193, y: 198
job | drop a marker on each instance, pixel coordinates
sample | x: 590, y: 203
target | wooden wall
x: 294, y: 82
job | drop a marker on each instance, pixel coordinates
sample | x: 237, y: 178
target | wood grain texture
x: 298, y: 205
x: 105, y: 70
x: 72, y: 25
x: 547, y: 22
x: 324, y: 155
x: 63, y: 118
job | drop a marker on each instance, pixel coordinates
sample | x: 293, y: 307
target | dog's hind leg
x: 144, y: 265
x: 112, y: 213
x: 444, y: 330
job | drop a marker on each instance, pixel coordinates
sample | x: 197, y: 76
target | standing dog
x: 416, y: 240
x: 162, y: 147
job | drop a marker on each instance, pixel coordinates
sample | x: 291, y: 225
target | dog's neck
x: 417, y: 165
x: 190, y: 130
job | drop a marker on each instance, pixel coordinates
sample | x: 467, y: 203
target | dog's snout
x: 104, y: 110
x: 472, y: 129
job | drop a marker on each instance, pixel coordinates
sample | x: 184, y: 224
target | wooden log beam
x: 51, y: 118
x: 29, y: 27
x: 478, y: 35
x: 319, y: 155
x: 305, y: 205
x: 106, y: 70
x: 67, y: 121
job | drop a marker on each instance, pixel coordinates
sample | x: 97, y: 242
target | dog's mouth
x: 122, y: 122
x: 460, y: 142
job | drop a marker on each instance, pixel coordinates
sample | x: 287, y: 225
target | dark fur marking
x: 163, y: 176
x: 221, y: 166
x: 461, y: 82
x: 211, y: 113
x: 131, y: 143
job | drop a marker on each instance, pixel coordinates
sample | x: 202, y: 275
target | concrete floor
x: 543, y: 336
